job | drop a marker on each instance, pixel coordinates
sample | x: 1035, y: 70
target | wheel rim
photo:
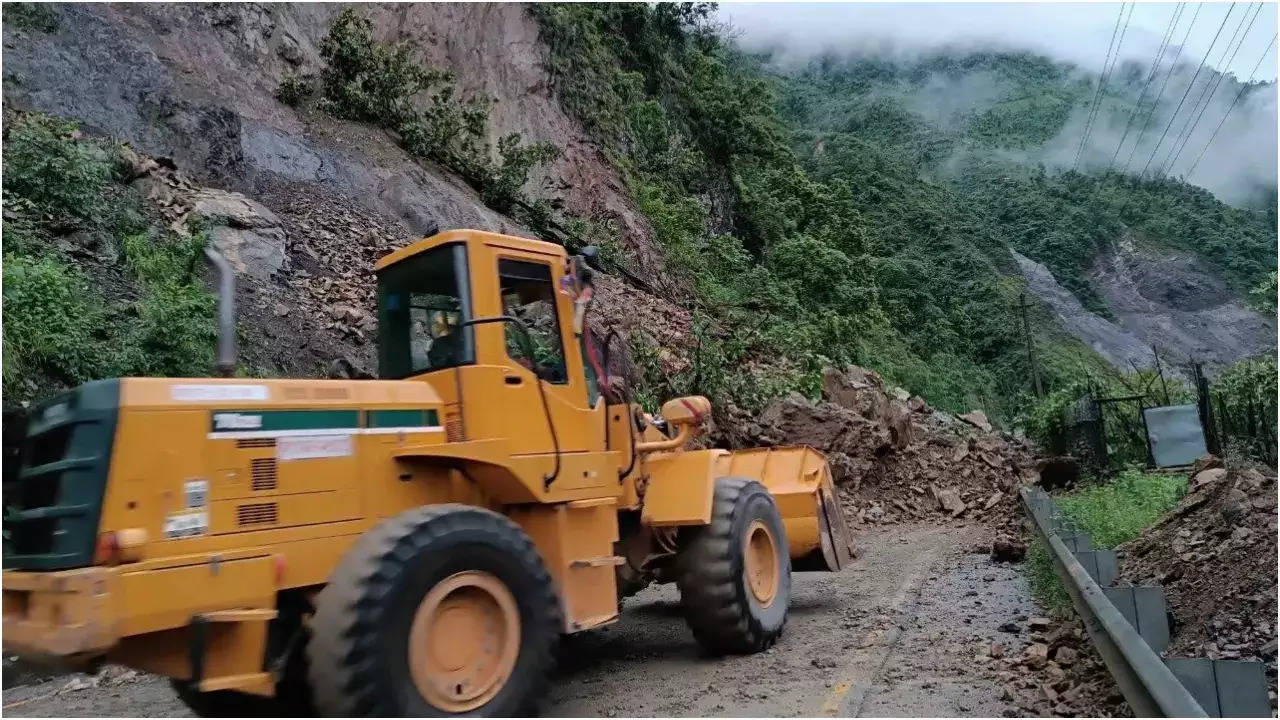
x: 464, y: 641
x: 762, y: 569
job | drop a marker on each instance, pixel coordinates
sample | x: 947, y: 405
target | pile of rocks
x: 1215, y: 556
x: 1057, y: 672
x: 894, y: 458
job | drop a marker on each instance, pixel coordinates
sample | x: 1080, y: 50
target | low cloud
x: 1240, y: 165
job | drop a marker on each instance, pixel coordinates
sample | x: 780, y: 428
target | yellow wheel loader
x: 413, y: 545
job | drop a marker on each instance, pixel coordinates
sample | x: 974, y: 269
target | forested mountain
x: 870, y: 204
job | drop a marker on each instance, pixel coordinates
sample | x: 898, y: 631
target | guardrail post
x: 1100, y: 564
x: 1145, y: 609
x: 1224, y: 688
x: 1077, y: 542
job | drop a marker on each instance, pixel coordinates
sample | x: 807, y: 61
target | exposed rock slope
x: 192, y: 86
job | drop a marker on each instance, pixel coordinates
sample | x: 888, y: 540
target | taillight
x: 107, y: 551
x: 115, y: 547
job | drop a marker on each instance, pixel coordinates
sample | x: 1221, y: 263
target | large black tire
x: 359, y: 650
x: 720, y: 607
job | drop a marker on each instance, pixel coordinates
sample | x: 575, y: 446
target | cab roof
x: 469, y: 236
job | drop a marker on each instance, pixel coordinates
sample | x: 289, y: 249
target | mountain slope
x: 758, y: 226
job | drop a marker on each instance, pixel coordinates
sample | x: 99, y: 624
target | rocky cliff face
x: 193, y: 86
x: 1172, y: 301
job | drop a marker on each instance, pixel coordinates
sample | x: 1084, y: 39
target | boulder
x: 1205, y: 478
x: 247, y: 233
x: 978, y: 419
x: 1008, y: 549
x: 1206, y: 462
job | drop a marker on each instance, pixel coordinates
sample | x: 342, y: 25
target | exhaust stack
x: 226, y: 363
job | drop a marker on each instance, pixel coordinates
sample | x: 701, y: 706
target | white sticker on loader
x: 196, y: 492
x: 184, y: 525
x: 218, y: 393
x: 303, y: 447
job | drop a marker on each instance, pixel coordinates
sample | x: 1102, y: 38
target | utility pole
x: 1031, y: 350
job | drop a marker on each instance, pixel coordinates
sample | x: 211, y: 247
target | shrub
x: 293, y: 89
x: 31, y: 16
x: 503, y: 189
x: 51, y: 323
x: 47, y: 163
x: 382, y: 84
x: 175, y: 332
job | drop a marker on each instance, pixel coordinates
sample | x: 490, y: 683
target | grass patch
x: 1112, y: 513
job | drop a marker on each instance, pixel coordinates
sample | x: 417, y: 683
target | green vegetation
x: 294, y: 89
x: 860, y: 210
x: 31, y: 16
x: 852, y: 259
x: 45, y: 166
x: 1244, y: 408
x: 1112, y: 514
x: 381, y: 84
x: 61, y: 328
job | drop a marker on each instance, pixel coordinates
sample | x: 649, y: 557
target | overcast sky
x: 1077, y: 32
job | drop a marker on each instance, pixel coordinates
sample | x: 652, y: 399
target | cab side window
x: 528, y: 293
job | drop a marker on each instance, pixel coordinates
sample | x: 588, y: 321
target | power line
x: 1097, y: 93
x: 1211, y: 88
x: 1231, y: 107
x: 1115, y: 61
x: 1172, y: 66
x: 1155, y: 65
x: 1173, y: 117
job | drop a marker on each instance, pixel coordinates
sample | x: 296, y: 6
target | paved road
x: 904, y: 632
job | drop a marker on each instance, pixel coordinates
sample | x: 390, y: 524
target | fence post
x: 1204, y: 404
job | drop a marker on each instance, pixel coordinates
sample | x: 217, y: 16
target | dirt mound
x: 894, y: 458
x: 1215, y: 555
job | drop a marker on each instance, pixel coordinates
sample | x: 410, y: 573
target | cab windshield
x: 422, y: 303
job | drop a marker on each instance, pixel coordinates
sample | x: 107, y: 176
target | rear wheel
x: 734, y: 574
x: 442, y: 610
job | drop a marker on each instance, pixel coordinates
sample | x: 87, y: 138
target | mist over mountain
x: 1151, y: 120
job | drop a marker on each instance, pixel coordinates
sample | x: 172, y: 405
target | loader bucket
x: 800, y: 481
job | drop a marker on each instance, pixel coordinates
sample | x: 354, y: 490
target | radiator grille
x: 243, y: 443
x: 263, y: 472
x: 257, y: 514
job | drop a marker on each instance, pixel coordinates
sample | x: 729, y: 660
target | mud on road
x: 905, y: 631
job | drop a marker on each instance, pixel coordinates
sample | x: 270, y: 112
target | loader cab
x: 439, y: 304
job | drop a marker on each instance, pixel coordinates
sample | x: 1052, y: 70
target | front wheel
x: 443, y: 610
x: 734, y: 574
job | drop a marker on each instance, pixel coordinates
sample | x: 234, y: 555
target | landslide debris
x: 894, y: 458
x: 1215, y: 556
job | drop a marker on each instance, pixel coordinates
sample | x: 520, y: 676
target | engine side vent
x: 257, y: 514
x: 243, y: 443
x: 453, y: 427
x: 263, y: 473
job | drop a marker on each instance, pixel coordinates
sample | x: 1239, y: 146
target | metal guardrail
x: 1149, y: 686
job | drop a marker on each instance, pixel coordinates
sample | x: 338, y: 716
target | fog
x: 1238, y: 166
x: 1075, y: 32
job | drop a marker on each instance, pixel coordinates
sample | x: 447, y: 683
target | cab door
x: 528, y: 287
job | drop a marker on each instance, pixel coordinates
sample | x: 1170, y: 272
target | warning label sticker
x: 303, y: 447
